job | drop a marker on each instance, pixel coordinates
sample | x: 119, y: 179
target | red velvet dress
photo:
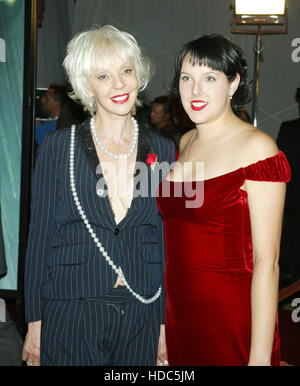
x: 209, y: 268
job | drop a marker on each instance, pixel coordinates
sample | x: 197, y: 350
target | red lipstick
x: 198, y: 105
x: 119, y: 99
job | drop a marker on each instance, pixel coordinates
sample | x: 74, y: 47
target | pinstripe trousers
x: 107, y: 331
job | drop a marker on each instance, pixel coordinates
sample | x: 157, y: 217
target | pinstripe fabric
x: 97, y: 333
x: 62, y: 261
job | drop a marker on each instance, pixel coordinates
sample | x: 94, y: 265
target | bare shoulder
x: 185, y: 139
x: 257, y: 145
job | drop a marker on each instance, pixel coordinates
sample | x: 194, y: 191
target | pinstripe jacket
x: 62, y: 261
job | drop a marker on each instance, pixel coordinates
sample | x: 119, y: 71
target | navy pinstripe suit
x: 64, y: 267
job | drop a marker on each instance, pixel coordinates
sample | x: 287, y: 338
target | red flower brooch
x: 152, y: 160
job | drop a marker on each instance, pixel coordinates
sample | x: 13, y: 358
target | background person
x: 161, y: 118
x: 72, y: 112
x: 288, y: 140
x: 52, y: 103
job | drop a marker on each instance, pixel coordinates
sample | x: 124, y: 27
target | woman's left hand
x: 162, y: 358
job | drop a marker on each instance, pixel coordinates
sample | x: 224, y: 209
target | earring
x: 93, y: 103
x: 133, y: 110
x: 230, y: 97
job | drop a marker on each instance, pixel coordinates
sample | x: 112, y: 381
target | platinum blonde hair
x: 88, y: 50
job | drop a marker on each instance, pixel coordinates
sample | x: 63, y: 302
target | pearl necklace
x: 117, y: 156
x: 92, y: 232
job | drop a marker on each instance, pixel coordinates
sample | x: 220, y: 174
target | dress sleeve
x: 40, y: 229
x: 272, y: 169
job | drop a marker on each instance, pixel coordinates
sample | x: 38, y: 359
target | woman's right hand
x: 31, y: 349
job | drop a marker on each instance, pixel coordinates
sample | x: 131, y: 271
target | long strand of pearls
x: 117, y: 156
x: 92, y: 232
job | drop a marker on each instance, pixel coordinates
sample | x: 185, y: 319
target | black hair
x: 165, y: 101
x: 59, y: 94
x: 220, y: 54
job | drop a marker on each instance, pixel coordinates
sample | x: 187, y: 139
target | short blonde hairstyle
x: 91, y: 48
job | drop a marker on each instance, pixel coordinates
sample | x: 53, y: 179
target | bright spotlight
x: 252, y: 16
x: 259, y: 12
x: 259, y: 7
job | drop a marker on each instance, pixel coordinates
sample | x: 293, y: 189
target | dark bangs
x: 213, y: 55
x: 218, y: 53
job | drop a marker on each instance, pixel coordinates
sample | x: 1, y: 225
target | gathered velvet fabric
x: 209, y: 266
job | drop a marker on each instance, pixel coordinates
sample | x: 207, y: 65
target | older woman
x: 222, y: 251
x: 94, y: 264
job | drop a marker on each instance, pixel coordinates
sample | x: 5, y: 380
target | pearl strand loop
x: 117, y: 156
x: 92, y: 232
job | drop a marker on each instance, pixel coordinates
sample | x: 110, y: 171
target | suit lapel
x: 84, y: 138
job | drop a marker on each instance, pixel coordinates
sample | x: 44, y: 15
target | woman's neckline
x: 227, y: 173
